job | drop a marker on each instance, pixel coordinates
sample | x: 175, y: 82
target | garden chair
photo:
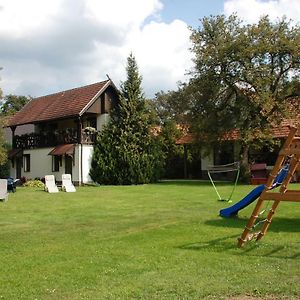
x: 3, y: 190
x: 50, y: 185
x: 67, y: 184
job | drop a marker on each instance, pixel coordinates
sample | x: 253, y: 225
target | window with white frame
x: 26, y: 162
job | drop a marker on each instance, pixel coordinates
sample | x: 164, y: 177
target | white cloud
x: 162, y: 51
x: 50, y: 45
x: 252, y: 10
x: 121, y: 13
x: 18, y: 18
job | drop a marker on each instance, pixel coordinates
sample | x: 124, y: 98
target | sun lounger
x: 3, y: 190
x: 50, y: 185
x: 67, y: 184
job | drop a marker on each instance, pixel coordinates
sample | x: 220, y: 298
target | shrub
x: 34, y: 183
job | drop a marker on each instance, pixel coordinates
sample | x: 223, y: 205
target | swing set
x: 289, y: 155
x: 228, y: 168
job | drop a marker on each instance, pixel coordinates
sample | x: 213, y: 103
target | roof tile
x: 281, y: 131
x: 55, y: 106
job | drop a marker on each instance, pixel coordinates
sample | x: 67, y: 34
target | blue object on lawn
x: 11, y: 185
x: 253, y: 195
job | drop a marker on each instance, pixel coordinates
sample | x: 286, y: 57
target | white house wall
x: 87, y: 155
x: 41, y: 164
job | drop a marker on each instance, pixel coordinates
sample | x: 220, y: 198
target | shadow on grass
x: 228, y: 244
x: 264, y: 250
x: 221, y: 244
x: 277, y: 225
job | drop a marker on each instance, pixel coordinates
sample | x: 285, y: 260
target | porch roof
x: 69, y: 103
x: 14, y: 153
x: 63, y: 149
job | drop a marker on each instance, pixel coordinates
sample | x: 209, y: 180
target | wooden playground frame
x: 290, y: 153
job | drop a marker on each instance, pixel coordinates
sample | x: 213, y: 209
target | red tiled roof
x: 59, y: 105
x: 188, y: 138
x: 281, y: 131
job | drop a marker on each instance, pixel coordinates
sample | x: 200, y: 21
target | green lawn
x: 162, y: 241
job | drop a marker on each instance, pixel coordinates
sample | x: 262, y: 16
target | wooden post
x: 286, y: 152
x: 13, y: 129
x: 79, y: 128
x: 81, y: 149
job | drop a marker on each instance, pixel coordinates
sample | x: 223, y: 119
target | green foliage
x: 173, y: 153
x: 34, y: 183
x: 3, y: 152
x: 3, y: 146
x: 5, y: 165
x: 244, y: 76
x: 172, y: 106
x: 126, y: 151
x: 10, y: 104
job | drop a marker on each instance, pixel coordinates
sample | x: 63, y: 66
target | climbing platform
x: 289, y: 154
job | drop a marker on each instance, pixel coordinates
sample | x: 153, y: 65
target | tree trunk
x: 245, y: 168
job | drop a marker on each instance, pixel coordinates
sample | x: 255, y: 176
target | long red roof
x: 280, y: 131
x: 64, y: 104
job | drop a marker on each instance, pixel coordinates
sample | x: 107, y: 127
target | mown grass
x: 162, y: 241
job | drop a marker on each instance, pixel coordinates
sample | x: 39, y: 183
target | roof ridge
x: 58, y: 105
x: 72, y: 89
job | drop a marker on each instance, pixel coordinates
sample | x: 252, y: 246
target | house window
x: 26, y: 162
x: 56, y: 163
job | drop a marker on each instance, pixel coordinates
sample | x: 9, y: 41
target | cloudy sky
x: 51, y: 45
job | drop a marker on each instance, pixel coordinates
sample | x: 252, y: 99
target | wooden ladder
x: 290, y: 152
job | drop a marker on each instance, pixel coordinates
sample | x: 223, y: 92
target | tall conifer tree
x: 126, y: 151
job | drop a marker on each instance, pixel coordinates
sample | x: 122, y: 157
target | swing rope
x: 224, y: 169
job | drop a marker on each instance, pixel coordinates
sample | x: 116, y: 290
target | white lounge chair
x: 3, y: 190
x: 67, y: 184
x: 50, y: 185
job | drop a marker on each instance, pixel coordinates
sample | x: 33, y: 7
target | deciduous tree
x: 10, y: 104
x: 246, y: 77
x: 3, y: 152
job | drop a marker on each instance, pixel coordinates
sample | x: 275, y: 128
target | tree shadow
x: 260, y: 249
x: 252, y: 248
x: 278, y: 224
x: 219, y: 243
x: 228, y: 244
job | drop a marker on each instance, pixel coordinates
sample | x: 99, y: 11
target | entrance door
x: 18, y: 166
x: 68, y: 164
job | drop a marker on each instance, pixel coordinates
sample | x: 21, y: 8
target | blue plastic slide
x: 253, y: 195
x: 233, y: 210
